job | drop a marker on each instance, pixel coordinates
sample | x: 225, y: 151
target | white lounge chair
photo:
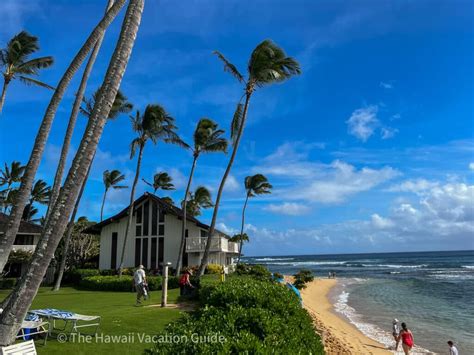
x: 75, y: 320
x: 40, y: 326
x: 25, y: 348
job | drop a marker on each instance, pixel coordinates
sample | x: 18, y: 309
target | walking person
x: 407, y: 339
x: 396, y: 332
x: 185, y: 285
x: 453, y: 350
x: 139, y: 279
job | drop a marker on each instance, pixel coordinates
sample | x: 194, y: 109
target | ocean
x: 433, y: 292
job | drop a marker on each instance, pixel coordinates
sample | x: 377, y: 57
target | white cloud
x: 414, y: 185
x: 363, y: 122
x: 471, y: 166
x: 232, y: 184
x: 288, y: 208
x: 386, y: 85
x: 388, y: 132
x: 381, y: 222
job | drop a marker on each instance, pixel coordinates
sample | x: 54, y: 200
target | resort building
x: 25, y: 243
x: 155, y: 237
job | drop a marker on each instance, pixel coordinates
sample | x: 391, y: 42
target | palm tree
x: 254, y: 185
x: 268, y: 64
x: 201, y: 198
x: 161, y: 181
x: 16, y: 63
x: 73, y: 118
x: 239, y: 238
x: 27, y: 287
x: 111, y: 180
x: 40, y: 193
x: 6, y: 240
x: 9, y: 176
x: 168, y: 200
x: 154, y: 124
x: 120, y: 105
x: 207, y: 139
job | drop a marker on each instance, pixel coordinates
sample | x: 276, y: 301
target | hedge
x: 252, y: 316
x: 7, y: 283
x: 124, y: 283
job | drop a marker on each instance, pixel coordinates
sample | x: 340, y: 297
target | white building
x: 155, y: 237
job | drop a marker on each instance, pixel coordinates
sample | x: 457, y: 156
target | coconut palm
x: 161, y: 181
x: 27, y: 287
x: 73, y: 118
x: 207, y: 139
x: 154, y: 125
x: 120, y: 105
x: 238, y: 238
x: 40, y: 193
x: 200, y: 198
x: 7, y: 239
x: 16, y: 63
x: 267, y: 65
x: 168, y: 200
x: 9, y: 176
x: 111, y: 179
x: 254, y: 185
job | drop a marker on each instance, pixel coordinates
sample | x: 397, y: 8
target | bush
x: 124, y: 283
x: 76, y: 275
x: 254, y: 270
x: 213, y: 269
x: 7, y: 283
x: 277, y: 275
x: 252, y: 316
x: 302, y: 278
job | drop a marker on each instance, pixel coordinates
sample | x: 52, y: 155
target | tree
x: 111, y: 180
x: 207, y: 139
x: 254, y: 185
x: 237, y: 238
x: 201, y: 198
x: 154, y: 124
x: 161, y: 181
x: 73, y: 117
x: 27, y: 287
x: 268, y: 64
x: 16, y: 63
x: 9, y: 176
x: 6, y: 240
x: 40, y: 193
x: 168, y: 200
x: 120, y: 105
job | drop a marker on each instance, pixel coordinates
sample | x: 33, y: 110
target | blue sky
x: 370, y: 149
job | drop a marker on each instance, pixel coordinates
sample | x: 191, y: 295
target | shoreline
x: 339, y: 336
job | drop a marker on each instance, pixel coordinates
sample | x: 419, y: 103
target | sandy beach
x: 339, y: 336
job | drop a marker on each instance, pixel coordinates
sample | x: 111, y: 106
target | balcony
x: 198, y: 244
x: 28, y: 248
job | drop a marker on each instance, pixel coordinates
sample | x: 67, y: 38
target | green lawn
x: 119, y: 317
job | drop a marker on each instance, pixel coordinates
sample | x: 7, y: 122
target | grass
x: 119, y: 317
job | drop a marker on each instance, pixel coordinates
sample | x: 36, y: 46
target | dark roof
x: 163, y: 205
x: 25, y: 227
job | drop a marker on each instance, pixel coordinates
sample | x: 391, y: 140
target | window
x: 139, y: 214
x: 138, y: 231
x: 186, y: 233
x: 203, y: 233
x: 145, y: 252
x: 113, y: 252
x: 162, y: 216
x: 138, y: 244
x: 154, y: 249
x: 161, y: 251
x: 154, y: 218
x: 24, y: 240
x: 146, y: 215
x: 161, y: 229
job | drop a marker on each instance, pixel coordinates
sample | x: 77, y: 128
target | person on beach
x: 452, y: 348
x: 396, y: 332
x: 407, y: 339
x: 185, y: 285
x: 139, y: 279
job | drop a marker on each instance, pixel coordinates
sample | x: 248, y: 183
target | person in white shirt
x: 396, y: 332
x: 452, y: 348
x: 139, y: 279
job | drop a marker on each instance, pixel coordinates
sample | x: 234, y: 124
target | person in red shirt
x: 185, y: 285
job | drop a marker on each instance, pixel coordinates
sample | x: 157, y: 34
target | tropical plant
x: 154, y: 124
x: 200, y: 198
x: 302, y: 277
x: 111, y: 179
x: 268, y: 64
x: 10, y: 175
x: 6, y: 240
x: 207, y: 139
x: 254, y: 185
x: 120, y: 105
x: 73, y: 117
x: 161, y: 181
x: 40, y: 193
x: 26, y: 289
x: 16, y: 63
x: 168, y: 200
x: 237, y: 238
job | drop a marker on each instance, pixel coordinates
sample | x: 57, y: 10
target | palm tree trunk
x: 73, y: 118
x: 6, y: 241
x: 67, y: 236
x: 183, y: 225
x: 130, y: 208
x: 4, y: 93
x: 102, y: 207
x: 205, y: 257
x: 27, y: 287
x: 242, y: 227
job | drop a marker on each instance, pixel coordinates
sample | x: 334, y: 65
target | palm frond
x: 30, y: 81
x: 31, y: 67
x: 229, y: 67
x: 236, y: 122
x: 136, y: 143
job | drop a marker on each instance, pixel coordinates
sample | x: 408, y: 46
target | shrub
x: 277, y: 275
x: 302, y: 277
x: 76, y: 275
x: 7, y: 283
x: 213, y: 269
x: 124, y: 283
x: 252, y: 316
x: 256, y: 271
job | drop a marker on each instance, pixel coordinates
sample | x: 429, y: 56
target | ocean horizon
x: 433, y: 292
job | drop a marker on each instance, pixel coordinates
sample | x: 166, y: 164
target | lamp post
x: 164, y: 287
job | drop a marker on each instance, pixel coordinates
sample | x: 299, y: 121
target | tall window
x: 113, y: 252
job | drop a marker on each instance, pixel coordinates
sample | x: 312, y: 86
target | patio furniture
x: 71, y: 320
x: 38, y: 326
x: 25, y: 348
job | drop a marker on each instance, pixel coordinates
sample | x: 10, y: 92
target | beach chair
x: 25, y: 348
x: 73, y: 321
x: 39, y: 327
